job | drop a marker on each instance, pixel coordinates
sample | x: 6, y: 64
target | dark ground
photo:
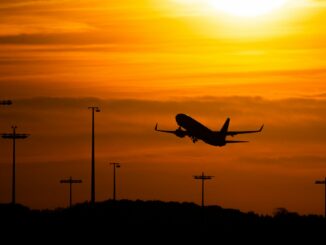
x: 161, y: 221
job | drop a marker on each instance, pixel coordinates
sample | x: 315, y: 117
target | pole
x: 93, y: 161
x: 325, y: 195
x: 14, y: 166
x: 114, y: 197
x: 70, y: 191
x: 203, y: 177
x: 115, y: 165
x: 202, y: 191
x: 70, y: 181
x: 94, y: 109
x: 323, y: 182
x: 13, y: 136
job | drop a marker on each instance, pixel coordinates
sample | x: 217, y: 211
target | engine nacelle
x: 180, y: 133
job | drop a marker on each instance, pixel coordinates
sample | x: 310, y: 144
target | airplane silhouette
x: 196, y: 131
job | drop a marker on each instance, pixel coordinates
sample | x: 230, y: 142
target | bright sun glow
x: 246, y: 8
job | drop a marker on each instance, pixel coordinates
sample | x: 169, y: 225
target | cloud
x: 161, y: 66
x: 49, y: 22
x: 55, y: 38
x: 42, y: 25
x: 290, y: 147
x: 298, y: 161
x: 287, y: 121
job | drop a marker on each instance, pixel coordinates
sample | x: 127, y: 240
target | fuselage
x: 196, y: 130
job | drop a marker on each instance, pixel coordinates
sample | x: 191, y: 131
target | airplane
x: 196, y: 131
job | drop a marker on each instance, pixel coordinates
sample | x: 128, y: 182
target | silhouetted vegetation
x: 164, y: 219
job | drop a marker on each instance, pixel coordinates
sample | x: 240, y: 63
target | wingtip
x: 261, y: 128
x: 156, y: 127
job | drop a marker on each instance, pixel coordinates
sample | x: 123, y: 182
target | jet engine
x: 180, y: 133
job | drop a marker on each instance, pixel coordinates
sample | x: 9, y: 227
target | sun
x: 246, y: 8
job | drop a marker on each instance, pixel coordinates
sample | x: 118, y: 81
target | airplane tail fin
x: 225, y: 127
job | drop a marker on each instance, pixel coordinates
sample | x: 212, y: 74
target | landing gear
x: 194, y: 139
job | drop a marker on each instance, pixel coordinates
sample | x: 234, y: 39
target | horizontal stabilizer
x: 235, y: 141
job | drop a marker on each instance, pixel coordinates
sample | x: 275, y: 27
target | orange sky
x: 144, y: 61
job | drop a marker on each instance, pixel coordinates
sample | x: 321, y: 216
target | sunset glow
x: 142, y: 62
x: 242, y: 8
x: 247, y: 8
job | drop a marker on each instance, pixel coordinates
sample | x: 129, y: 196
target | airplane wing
x: 164, y: 131
x: 232, y: 133
x: 235, y: 141
x: 179, y: 132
